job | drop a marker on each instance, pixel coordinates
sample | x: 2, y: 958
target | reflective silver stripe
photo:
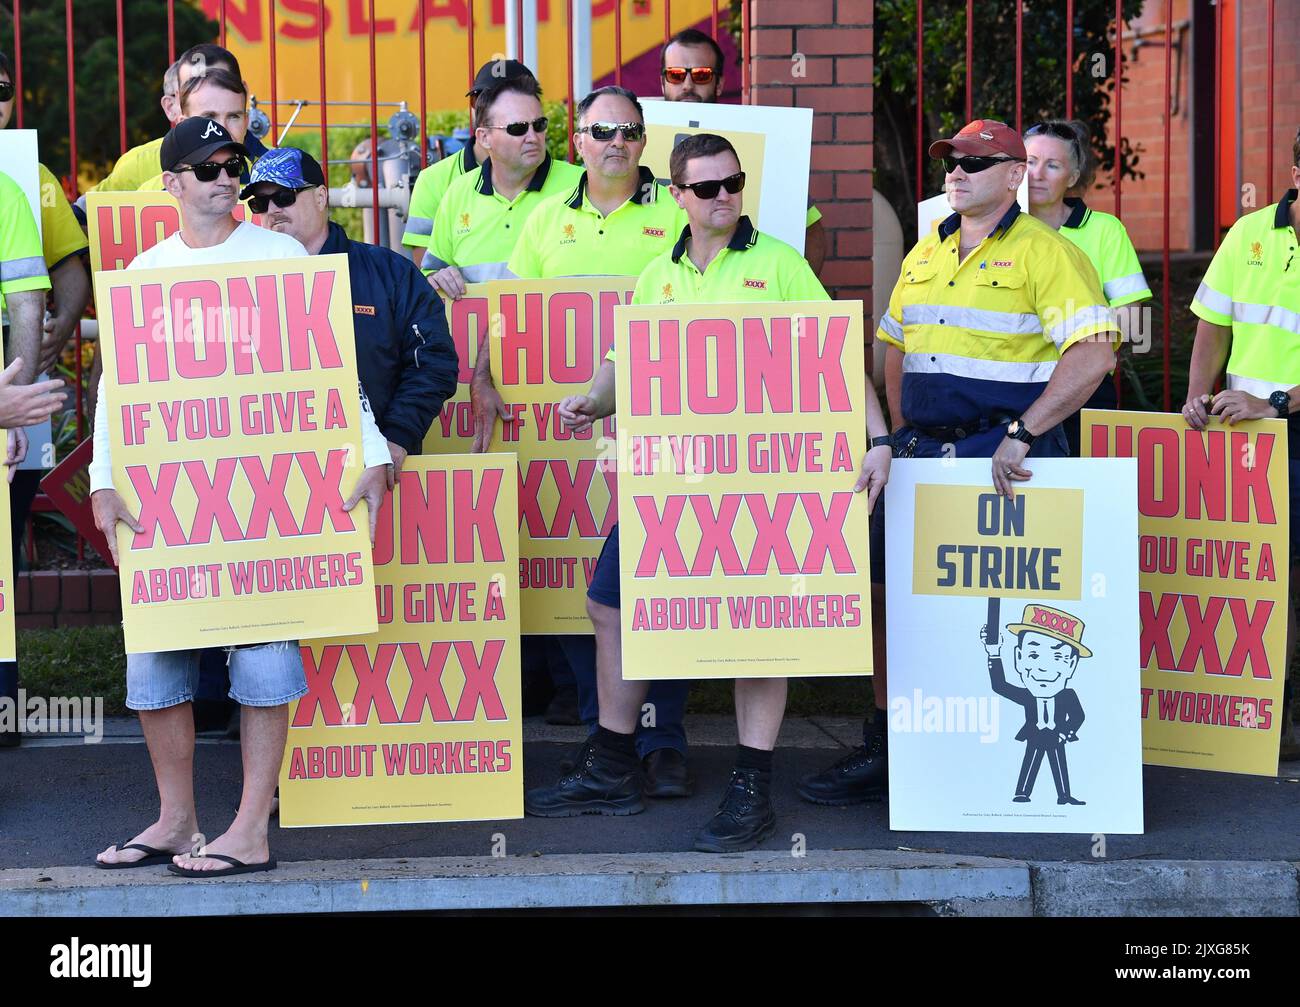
x: 418, y: 225
x: 1017, y: 372
x: 430, y: 261
x: 1008, y: 322
x: 484, y: 271
x: 22, y: 269
x: 1212, y: 299
x: 891, y: 328
x: 1254, y: 386
x: 1096, y: 314
x: 1122, y: 286
x: 1266, y: 314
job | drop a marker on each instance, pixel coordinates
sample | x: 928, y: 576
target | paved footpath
x: 1214, y: 844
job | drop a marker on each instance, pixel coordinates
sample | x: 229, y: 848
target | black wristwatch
x: 882, y: 442
x: 1280, y: 401
x: 1017, y: 432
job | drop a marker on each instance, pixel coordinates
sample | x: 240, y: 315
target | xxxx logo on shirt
x: 756, y: 284
x: 654, y: 232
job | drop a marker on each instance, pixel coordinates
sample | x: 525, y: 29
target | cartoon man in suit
x: 1047, y: 652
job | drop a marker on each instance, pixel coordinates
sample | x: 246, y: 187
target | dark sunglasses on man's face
x: 283, y: 198
x: 520, y: 128
x: 6, y: 91
x: 602, y: 131
x: 699, y: 74
x: 972, y: 164
x: 709, y: 190
x: 207, y: 171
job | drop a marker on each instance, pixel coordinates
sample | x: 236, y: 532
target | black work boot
x: 862, y: 775
x: 744, y: 818
x: 601, y: 783
x: 665, y: 774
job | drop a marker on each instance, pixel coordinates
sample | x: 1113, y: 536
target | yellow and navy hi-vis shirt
x: 1105, y: 241
x: 982, y: 337
x: 22, y: 264
x: 1253, y: 286
x: 476, y: 228
x: 567, y: 236
x: 61, y: 233
x: 752, y: 267
x: 430, y: 186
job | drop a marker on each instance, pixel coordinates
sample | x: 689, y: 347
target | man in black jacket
x: 405, y: 357
x: 1047, y: 652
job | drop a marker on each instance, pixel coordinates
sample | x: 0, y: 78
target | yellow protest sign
x: 743, y: 546
x: 972, y: 542
x: 467, y: 321
x: 1214, y: 559
x: 549, y: 337
x: 8, y: 643
x: 235, y: 429
x: 421, y: 720
x: 121, y: 225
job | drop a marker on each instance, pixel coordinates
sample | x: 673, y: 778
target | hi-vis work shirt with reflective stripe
x: 476, y: 228
x: 981, y: 338
x: 22, y: 263
x: 1105, y: 241
x: 1253, y: 286
x: 752, y: 267
x: 430, y: 186
x: 567, y: 236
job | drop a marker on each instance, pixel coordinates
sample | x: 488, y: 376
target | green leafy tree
x: 993, y: 79
x: 94, y: 43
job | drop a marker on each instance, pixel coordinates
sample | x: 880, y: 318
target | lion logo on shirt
x: 666, y: 293
x: 464, y: 223
x: 1256, y: 254
x: 568, y: 238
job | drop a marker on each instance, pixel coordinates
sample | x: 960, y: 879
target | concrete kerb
x: 949, y: 885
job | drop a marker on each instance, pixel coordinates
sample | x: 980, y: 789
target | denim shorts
x: 267, y: 674
x: 605, y: 588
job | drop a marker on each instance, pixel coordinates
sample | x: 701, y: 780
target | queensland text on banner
x: 744, y: 547
x: 235, y: 429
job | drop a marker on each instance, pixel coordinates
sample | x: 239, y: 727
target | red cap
x: 983, y: 138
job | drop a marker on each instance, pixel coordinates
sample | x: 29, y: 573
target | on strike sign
x: 235, y: 428
x: 1214, y: 559
x: 740, y: 432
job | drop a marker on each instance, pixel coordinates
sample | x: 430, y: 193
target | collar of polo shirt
x: 534, y: 184
x: 1283, y: 216
x: 646, y: 184
x: 1078, y: 212
x: 746, y: 236
x: 953, y: 222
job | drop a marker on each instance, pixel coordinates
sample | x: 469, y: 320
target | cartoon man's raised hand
x: 992, y: 649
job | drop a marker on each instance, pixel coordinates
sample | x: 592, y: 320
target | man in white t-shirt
x: 202, y: 165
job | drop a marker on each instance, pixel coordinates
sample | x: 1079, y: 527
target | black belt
x: 964, y: 430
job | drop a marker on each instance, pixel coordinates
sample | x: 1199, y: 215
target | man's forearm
x: 894, y: 385
x: 602, y: 391
x: 70, y: 294
x: 26, y: 322
x: 483, y: 364
x: 1209, y: 355
x: 1081, y: 369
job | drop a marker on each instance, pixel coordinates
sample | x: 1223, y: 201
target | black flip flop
x: 151, y: 858
x: 236, y: 867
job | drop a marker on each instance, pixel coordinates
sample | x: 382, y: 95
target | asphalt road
x: 59, y: 806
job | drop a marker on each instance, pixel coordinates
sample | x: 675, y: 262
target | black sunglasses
x: 632, y: 131
x: 6, y: 90
x: 709, y: 190
x: 520, y: 128
x: 282, y: 198
x: 1056, y: 130
x: 972, y: 164
x: 207, y: 171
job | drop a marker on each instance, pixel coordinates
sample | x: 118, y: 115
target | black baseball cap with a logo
x: 194, y: 140
x: 494, y: 71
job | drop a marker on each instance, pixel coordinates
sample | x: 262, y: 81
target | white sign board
x: 1034, y: 725
x: 774, y: 145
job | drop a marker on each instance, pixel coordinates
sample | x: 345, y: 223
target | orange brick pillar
x: 818, y: 54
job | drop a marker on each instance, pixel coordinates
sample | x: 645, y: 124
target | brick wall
x: 829, y: 43
x: 1254, y: 97
x: 45, y: 599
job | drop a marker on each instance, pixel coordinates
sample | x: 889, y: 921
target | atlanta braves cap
x: 194, y: 140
